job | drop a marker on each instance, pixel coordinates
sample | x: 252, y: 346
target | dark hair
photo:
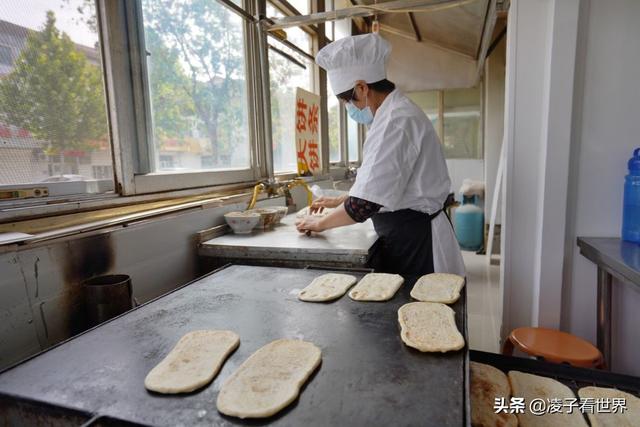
x: 382, y: 86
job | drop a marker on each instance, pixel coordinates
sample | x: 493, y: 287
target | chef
x: 403, y: 182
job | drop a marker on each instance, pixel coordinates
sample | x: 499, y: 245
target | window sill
x: 62, y: 206
x: 46, y: 229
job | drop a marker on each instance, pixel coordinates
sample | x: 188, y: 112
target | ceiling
x: 458, y: 29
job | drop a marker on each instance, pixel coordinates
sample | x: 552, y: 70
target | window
x: 335, y: 30
x: 286, y: 73
x: 301, y: 6
x: 456, y: 116
x: 102, y: 172
x: 462, y: 130
x: 333, y: 106
x: 353, y: 141
x: 52, y: 100
x: 197, y: 86
x: 329, y: 26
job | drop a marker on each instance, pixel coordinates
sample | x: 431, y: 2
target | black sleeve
x: 359, y: 209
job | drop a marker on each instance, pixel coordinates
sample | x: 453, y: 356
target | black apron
x: 404, y: 244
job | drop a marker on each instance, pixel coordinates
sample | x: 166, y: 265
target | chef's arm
x: 360, y: 209
x: 338, y: 218
x: 352, y: 210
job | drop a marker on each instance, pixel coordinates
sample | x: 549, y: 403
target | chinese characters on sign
x: 517, y: 405
x: 307, y: 132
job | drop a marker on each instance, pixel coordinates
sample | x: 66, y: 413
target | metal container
x: 107, y: 296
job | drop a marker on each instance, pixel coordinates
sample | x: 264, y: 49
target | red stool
x: 554, y: 346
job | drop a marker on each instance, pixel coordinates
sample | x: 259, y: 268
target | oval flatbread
x: 327, y: 287
x: 629, y: 417
x: 269, y: 380
x: 376, y: 287
x: 438, y: 287
x: 530, y: 387
x: 193, y: 362
x: 488, y: 384
x: 429, y: 326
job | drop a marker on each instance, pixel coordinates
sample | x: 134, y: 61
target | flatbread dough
x: 487, y: 384
x: 327, y: 287
x: 193, y: 362
x: 305, y: 212
x: 269, y: 380
x: 438, y: 287
x: 629, y: 418
x: 532, y: 387
x: 429, y: 326
x: 376, y: 287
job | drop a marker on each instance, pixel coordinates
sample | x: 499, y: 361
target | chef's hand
x: 320, y: 203
x: 309, y: 223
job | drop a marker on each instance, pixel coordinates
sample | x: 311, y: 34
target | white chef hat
x: 354, y: 58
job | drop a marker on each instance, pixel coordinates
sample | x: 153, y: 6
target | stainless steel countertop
x: 619, y: 258
x: 345, y: 245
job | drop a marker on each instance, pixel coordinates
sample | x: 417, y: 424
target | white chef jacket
x: 403, y: 167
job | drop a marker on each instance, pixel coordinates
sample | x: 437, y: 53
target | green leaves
x: 54, y: 92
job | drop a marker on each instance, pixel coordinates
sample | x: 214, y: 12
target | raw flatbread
x: 193, y: 362
x: 327, y: 287
x: 269, y: 380
x: 429, y: 326
x: 305, y: 212
x: 487, y: 384
x: 532, y: 387
x: 438, y: 287
x: 376, y: 287
x: 629, y: 418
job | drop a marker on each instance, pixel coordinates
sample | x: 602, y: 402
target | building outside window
x: 197, y: 85
x: 52, y: 98
x: 285, y: 76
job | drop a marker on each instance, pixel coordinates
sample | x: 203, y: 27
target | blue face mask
x: 364, y: 116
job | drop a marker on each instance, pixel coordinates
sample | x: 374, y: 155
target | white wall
x: 540, y: 73
x: 606, y: 129
x: 493, y: 91
x: 571, y: 124
x: 461, y: 169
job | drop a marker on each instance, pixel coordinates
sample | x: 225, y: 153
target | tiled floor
x: 482, y: 302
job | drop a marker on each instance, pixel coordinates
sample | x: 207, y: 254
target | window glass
x: 333, y: 106
x: 462, y: 138
x: 329, y: 25
x: 285, y: 76
x: 352, y: 138
x: 301, y: 6
x: 428, y: 102
x: 197, y: 85
x: 53, y: 121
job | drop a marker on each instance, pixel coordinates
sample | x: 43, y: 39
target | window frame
x: 442, y: 113
x: 134, y: 137
x: 120, y: 31
x: 287, y: 9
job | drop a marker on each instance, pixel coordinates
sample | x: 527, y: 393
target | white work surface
x: 348, y: 245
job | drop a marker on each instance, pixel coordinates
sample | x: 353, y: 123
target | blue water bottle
x: 631, y: 207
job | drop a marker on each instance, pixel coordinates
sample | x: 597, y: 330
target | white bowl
x: 268, y: 216
x: 242, y: 222
x: 282, y: 212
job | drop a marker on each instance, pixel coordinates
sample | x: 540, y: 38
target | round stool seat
x: 556, y: 346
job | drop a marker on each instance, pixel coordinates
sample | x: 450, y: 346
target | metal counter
x: 347, y: 247
x: 614, y: 258
x: 367, y: 375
